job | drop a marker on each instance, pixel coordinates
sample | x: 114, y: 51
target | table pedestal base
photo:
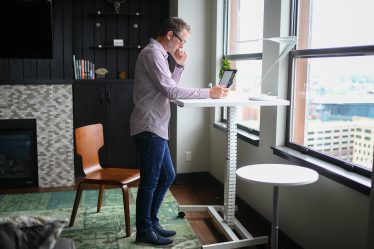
x: 275, y: 226
x: 235, y: 242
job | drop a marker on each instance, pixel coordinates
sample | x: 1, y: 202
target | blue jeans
x: 156, y: 175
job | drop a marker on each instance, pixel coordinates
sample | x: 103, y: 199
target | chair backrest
x: 88, y: 140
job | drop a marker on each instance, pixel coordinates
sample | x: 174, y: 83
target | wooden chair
x: 89, y: 139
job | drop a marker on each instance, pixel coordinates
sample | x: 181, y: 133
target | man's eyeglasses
x: 180, y: 39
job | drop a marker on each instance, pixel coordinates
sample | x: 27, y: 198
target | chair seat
x: 113, y: 176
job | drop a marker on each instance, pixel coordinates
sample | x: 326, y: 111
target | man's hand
x: 180, y: 56
x: 218, y: 92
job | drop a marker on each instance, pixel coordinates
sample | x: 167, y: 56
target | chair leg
x: 100, y: 200
x: 76, y: 203
x: 125, y: 193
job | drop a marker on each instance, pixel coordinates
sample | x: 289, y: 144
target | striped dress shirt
x: 154, y: 87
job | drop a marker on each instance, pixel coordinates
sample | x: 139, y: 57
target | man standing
x: 154, y: 87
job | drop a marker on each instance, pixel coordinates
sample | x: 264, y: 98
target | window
x: 243, y: 48
x: 332, y: 76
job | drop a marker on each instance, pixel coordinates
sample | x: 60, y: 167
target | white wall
x: 191, y: 133
x: 322, y: 215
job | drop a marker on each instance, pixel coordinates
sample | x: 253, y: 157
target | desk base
x: 235, y: 241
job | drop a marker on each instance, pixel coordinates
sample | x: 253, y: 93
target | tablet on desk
x: 227, y: 78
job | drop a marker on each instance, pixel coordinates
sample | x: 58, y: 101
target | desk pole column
x: 230, y: 178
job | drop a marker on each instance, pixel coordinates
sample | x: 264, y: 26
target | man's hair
x: 175, y: 24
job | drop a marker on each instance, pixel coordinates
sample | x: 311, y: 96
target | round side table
x: 276, y: 175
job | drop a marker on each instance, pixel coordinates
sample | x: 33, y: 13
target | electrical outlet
x: 188, y: 156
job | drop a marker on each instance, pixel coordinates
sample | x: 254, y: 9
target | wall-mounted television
x: 26, y: 29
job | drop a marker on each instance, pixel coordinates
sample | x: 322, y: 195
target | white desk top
x: 231, y: 100
x: 277, y: 174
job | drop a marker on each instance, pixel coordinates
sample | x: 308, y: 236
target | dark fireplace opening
x: 18, y: 154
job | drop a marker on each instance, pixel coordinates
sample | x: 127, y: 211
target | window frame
x: 236, y: 57
x: 318, y: 53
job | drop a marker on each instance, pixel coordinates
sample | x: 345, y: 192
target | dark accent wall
x: 75, y: 32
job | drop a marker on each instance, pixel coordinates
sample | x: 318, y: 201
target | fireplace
x: 18, y: 155
x: 52, y: 108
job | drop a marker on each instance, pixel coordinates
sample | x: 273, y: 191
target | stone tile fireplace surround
x: 52, y: 107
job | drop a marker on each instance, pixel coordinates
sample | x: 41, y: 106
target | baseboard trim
x: 244, y: 209
x: 192, y: 177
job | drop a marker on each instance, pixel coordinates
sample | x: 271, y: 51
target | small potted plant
x: 225, y: 64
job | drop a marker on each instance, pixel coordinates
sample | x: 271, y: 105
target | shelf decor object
x: 116, y: 4
x: 118, y: 42
x: 101, y: 72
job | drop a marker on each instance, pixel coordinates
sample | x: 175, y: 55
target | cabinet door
x: 89, y: 104
x: 89, y: 108
x: 119, y: 146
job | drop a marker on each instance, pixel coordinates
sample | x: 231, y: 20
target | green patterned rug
x: 93, y: 230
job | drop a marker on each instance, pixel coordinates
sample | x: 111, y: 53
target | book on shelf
x: 83, y: 69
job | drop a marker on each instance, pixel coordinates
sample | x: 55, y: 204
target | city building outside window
x: 243, y: 48
x: 332, y: 88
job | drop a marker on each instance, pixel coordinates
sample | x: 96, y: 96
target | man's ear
x: 169, y: 35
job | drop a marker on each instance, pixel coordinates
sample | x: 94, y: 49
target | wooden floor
x: 208, y: 193
x: 204, y: 193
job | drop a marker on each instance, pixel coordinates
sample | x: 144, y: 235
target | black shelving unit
x: 98, y: 25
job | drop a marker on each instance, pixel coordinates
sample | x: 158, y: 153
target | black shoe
x: 164, y: 233
x: 151, y: 238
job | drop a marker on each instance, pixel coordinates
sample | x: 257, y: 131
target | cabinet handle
x: 101, y: 96
x: 109, y: 97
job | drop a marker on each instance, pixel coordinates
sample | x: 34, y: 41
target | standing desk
x: 228, y: 223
